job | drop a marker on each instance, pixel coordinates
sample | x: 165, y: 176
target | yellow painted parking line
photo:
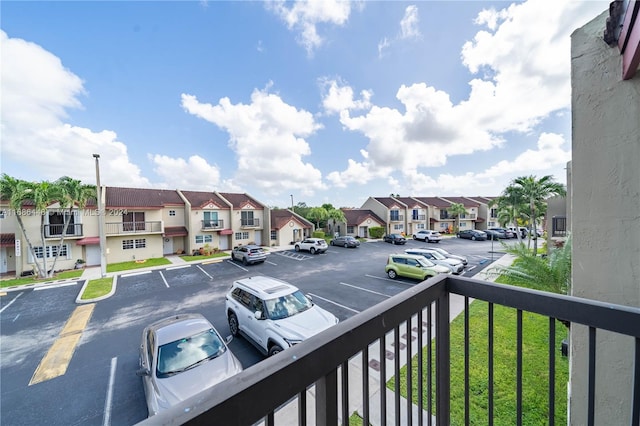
x: 3, y: 294
x: 56, y: 361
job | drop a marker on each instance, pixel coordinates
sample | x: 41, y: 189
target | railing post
x: 327, y: 399
x: 443, y: 369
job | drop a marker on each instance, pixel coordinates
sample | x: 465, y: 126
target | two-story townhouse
x: 207, y: 220
x: 391, y: 210
x: 486, y: 211
x: 439, y: 218
x: 288, y: 227
x: 70, y: 243
x: 416, y: 214
x: 470, y: 219
x: 134, y: 222
x: 250, y: 220
x: 358, y: 222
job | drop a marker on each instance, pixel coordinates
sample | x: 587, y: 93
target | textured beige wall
x: 605, y: 223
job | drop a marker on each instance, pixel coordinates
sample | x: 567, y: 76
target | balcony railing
x: 396, y: 218
x: 419, y: 217
x: 55, y: 230
x: 250, y: 223
x: 115, y: 228
x: 332, y: 362
x: 212, y: 224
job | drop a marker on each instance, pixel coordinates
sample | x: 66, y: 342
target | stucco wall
x: 605, y: 210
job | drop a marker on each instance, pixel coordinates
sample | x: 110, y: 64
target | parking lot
x: 99, y: 385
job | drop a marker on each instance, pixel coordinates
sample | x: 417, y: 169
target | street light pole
x: 103, y: 239
x: 292, y: 209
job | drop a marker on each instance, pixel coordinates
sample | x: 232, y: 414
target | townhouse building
x: 358, y: 223
x: 391, y: 210
x: 288, y: 227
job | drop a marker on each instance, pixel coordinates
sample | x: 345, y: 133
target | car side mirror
x: 308, y: 296
x: 258, y: 315
x: 143, y: 372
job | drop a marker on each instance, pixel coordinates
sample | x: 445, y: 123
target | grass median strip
x: 56, y: 361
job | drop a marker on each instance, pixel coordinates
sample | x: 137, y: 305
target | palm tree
x: 317, y: 214
x: 548, y: 273
x: 43, y: 194
x: 71, y: 193
x: 510, y: 206
x: 456, y: 210
x: 17, y: 191
x: 535, y: 192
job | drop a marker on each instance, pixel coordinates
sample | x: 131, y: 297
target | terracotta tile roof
x: 141, y: 198
x: 239, y: 201
x: 389, y: 202
x: 356, y: 217
x: 435, y: 202
x: 7, y: 240
x: 198, y: 199
x: 280, y: 218
x: 411, y: 202
x: 464, y: 201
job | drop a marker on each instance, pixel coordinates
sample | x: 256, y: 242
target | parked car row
x: 184, y: 354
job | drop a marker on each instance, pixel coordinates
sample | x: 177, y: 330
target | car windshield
x: 426, y: 263
x: 286, y: 306
x: 188, y: 352
x: 438, y: 256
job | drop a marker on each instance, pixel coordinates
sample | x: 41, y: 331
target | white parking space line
x: 237, y: 266
x: 178, y: 267
x: 205, y: 272
x: 271, y: 263
x: 47, y: 287
x: 471, y: 268
x: 163, y: 279
x: 335, y: 303
x: 389, y: 279
x: 365, y: 289
x: 135, y: 273
x: 9, y: 304
x: 107, y: 403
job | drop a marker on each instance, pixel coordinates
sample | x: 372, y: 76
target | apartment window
x: 398, y: 227
x: 463, y: 225
x: 141, y: 243
x: 127, y: 244
x: 420, y: 226
x: 56, y: 221
x: 133, y: 221
x: 51, y: 252
x: 201, y: 239
x: 395, y: 214
x: 242, y: 235
x: 494, y: 213
x: 444, y: 214
x: 492, y: 224
x: 350, y: 229
x: 274, y: 235
x: 210, y: 219
x: 246, y: 219
x: 172, y: 212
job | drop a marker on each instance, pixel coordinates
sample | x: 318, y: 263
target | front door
x: 167, y: 245
x: 3, y: 260
x: 93, y: 254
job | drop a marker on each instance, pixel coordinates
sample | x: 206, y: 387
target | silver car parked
x: 181, y: 356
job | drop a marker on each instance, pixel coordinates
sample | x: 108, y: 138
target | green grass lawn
x: 97, y: 288
x: 62, y: 275
x: 125, y: 266
x: 535, y: 356
x: 189, y: 258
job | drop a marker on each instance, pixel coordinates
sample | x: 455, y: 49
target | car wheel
x: 312, y: 250
x: 392, y: 274
x: 274, y: 350
x: 244, y: 261
x: 332, y: 243
x: 415, y: 238
x: 473, y: 238
x: 233, y: 324
x: 297, y: 248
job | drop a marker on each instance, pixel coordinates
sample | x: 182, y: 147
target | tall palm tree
x: 510, y: 206
x: 317, y: 214
x: 71, y: 193
x: 17, y: 191
x: 43, y: 194
x: 535, y: 192
x: 457, y: 210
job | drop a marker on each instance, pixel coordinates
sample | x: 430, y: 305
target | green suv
x: 412, y: 266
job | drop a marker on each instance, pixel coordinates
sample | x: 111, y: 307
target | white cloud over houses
x: 193, y: 173
x: 521, y: 62
x: 37, y: 92
x: 267, y: 137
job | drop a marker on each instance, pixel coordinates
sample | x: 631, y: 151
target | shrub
x: 376, y: 231
x: 318, y: 234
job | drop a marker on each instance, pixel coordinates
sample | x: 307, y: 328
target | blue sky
x: 331, y: 102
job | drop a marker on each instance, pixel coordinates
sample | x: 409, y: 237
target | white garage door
x: 93, y: 254
x: 258, y: 238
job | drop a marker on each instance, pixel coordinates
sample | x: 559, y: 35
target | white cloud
x: 382, y: 46
x: 409, y: 23
x: 37, y: 90
x: 194, y: 173
x: 338, y: 97
x: 305, y: 15
x: 267, y: 136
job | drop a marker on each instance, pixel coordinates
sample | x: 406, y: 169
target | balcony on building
x: 125, y: 228
x: 250, y: 223
x: 57, y: 230
x: 320, y: 381
x: 212, y: 224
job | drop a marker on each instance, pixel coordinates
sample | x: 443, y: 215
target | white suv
x: 273, y: 314
x: 312, y: 245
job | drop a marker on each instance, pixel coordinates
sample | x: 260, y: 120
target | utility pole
x: 292, y: 209
x: 103, y: 239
